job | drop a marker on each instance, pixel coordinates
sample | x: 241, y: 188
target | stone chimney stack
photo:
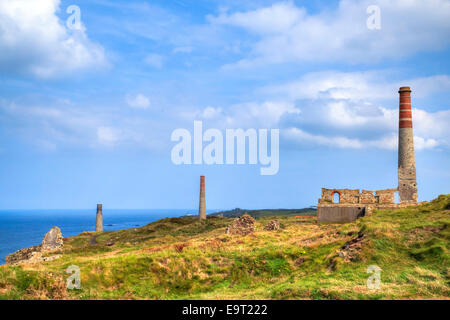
x: 407, y: 184
x: 202, y: 206
x: 99, y: 222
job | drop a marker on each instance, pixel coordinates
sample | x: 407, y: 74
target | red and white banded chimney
x: 407, y: 184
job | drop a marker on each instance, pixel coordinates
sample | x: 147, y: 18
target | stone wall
x: 345, y: 195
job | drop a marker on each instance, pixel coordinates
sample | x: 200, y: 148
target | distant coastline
x: 258, y: 213
x: 25, y: 228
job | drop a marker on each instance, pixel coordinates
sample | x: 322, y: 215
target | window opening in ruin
x: 336, y: 197
x: 396, y: 197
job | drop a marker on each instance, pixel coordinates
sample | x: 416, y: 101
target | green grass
x: 184, y: 258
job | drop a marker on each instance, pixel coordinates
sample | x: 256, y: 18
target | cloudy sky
x: 87, y: 109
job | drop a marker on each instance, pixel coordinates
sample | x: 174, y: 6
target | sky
x: 88, y: 105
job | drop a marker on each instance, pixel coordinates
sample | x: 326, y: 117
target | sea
x: 25, y: 228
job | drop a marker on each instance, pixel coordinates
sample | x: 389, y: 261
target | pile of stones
x: 242, y: 226
x: 273, y: 225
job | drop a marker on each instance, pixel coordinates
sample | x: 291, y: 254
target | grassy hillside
x: 183, y: 258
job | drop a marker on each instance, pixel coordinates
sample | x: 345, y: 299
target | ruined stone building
x: 353, y: 203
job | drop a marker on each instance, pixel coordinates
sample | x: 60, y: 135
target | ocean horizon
x: 25, y: 228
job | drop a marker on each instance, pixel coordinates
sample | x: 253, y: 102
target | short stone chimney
x: 99, y: 222
x: 202, y: 206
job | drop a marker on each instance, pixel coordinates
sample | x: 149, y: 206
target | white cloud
x: 34, y: 41
x: 108, y: 135
x: 266, y: 114
x: 344, y: 110
x: 49, y: 126
x: 422, y: 143
x: 287, y: 33
x: 355, y: 85
x: 211, y: 113
x: 53, y: 127
x: 245, y: 115
x: 349, y: 124
x: 139, y: 101
x: 362, y: 107
x: 185, y: 49
x: 389, y: 142
x: 279, y: 17
x: 340, y: 142
x: 155, y: 60
x: 433, y: 125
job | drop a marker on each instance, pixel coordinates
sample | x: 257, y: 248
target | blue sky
x: 86, y: 115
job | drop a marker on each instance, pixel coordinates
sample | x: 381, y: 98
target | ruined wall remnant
x: 407, y: 184
x: 345, y: 195
x: 386, y: 195
x: 354, y: 196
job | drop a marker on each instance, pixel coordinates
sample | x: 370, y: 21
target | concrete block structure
x: 99, y: 220
x: 341, y: 214
x: 202, y: 205
x: 353, y: 203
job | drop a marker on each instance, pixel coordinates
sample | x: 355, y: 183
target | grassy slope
x: 189, y: 259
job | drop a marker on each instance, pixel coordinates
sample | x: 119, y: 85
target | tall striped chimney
x: 407, y: 184
x: 202, y: 206
x: 99, y: 221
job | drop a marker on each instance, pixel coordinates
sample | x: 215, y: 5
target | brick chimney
x: 407, y: 184
x: 202, y: 206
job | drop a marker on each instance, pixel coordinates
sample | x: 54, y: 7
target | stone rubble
x: 273, y: 225
x: 351, y: 249
x: 242, y: 226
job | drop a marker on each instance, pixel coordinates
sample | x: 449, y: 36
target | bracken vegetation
x: 184, y: 258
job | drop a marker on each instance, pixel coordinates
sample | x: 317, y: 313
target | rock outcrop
x: 242, y: 226
x: 52, y: 241
x: 351, y: 249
